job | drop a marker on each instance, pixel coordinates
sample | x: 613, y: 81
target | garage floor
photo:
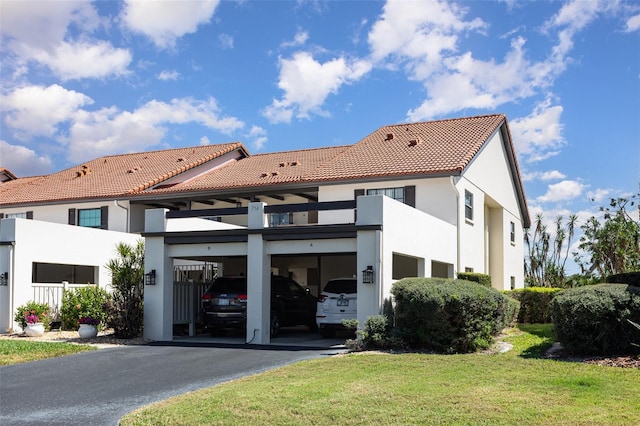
x: 294, y: 336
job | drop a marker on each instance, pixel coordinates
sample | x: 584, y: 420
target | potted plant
x: 83, y: 302
x: 33, y: 318
x: 88, y: 327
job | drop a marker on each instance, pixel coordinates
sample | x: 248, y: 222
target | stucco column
x: 158, y: 298
x: 369, y: 246
x: 258, y: 279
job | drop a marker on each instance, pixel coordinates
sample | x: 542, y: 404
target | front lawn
x: 16, y: 351
x: 376, y: 388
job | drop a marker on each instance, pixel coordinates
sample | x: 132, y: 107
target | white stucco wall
x: 44, y: 242
x: 59, y: 213
x: 490, y: 181
x: 434, y: 196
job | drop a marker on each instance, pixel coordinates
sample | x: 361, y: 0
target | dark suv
x: 224, y: 305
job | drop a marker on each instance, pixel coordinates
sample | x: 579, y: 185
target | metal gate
x: 189, y: 284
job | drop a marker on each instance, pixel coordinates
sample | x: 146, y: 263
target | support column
x: 258, y: 280
x: 158, y: 298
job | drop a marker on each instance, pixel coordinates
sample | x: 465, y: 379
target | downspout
x: 13, y: 281
x: 458, y: 230
x: 127, y: 210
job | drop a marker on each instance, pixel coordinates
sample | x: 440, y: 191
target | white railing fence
x: 190, y: 283
x: 51, y: 294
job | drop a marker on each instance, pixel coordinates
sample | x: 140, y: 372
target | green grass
x: 367, y: 388
x: 15, y: 352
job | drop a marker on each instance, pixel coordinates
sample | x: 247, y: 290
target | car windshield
x: 228, y: 285
x: 341, y: 286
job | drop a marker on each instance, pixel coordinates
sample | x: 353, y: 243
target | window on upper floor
x: 512, y: 232
x: 395, y: 193
x: 468, y: 205
x: 90, y: 218
x: 22, y: 215
x: 279, y: 219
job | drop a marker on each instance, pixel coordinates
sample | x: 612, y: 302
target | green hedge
x: 535, y: 304
x: 452, y: 316
x: 482, y: 279
x: 631, y: 278
x: 593, y: 319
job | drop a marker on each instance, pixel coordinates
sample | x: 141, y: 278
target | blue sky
x: 84, y: 79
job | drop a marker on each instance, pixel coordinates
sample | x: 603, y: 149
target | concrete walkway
x: 98, y: 388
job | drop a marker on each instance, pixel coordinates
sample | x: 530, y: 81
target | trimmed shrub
x: 594, y: 320
x: 451, y: 316
x: 482, y: 279
x: 631, y: 278
x: 535, y: 304
x: 89, y: 301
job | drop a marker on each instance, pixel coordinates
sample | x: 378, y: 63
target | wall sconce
x: 150, y: 278
x: 4, y: 278
x: 367, y: 275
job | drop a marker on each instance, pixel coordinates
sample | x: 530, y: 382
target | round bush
x: 594, y: 319
x: 452, y: 316
x: 535, y: 304
x: 87, y: 302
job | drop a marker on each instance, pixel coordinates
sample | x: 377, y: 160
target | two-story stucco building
x: 420, y: 199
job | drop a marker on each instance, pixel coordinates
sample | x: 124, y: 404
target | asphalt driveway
x: 98, y: 388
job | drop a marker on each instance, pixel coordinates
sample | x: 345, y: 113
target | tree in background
x: 546, y: 254
x: 612, y: 243
x: 126, y: 314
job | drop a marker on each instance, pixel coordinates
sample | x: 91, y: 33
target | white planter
x: 87, y: 330
x: 34, y: 330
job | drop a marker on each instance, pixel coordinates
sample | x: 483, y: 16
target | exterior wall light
x: 150, y: 278
x: 4, y: 278
x: 367, y: 275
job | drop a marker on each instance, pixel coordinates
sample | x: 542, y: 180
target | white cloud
x: 307, y: 83
x: 166, y: 21
x: 299, y: 39
x: 562, y: 191
x: 258, y: 137
x: 539, y: 135
x: 85, y: 60
x: 552, y: 175
x: 41, y: 34
x: 205, y: 141
x: 109, y: 130
x: 226, y: 41
x: 599, y: 195
x: 38, y: 110
x: 24, y: 161
x: 633, y: 24
x: 167, y: 75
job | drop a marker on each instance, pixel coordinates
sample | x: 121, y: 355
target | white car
x: 336, y: 302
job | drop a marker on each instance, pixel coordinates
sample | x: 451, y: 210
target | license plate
x: 343, y: 302
x: 223, y: 302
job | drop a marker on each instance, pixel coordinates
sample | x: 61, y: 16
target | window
x: 16, y: 215
x: 467, y: 269
x: 89, y: 218
x: 512, y: 232
x: 468, y: 205
x: 395, y: 193
x: 279, y: 219
x: 513, y: 283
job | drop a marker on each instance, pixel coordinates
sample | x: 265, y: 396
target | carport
x: 361, y: 246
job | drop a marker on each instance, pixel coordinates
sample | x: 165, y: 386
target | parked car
x: 224, y: 305
x: 336, y: 302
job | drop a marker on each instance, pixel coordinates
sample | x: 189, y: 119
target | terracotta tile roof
x: 111, y: 176
x: 261, y: 170
x: 435, y: 147
x: 443, y: 147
